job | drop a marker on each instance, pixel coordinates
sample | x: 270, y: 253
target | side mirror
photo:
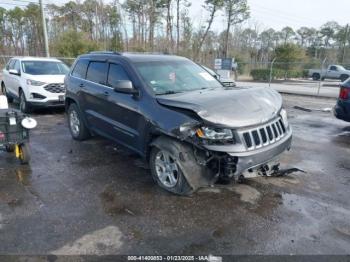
x: 125, y: 87
x: 14, y: 72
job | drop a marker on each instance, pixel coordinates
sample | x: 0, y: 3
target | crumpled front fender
x: 196, y: 175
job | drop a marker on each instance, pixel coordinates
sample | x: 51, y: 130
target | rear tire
x: 344, y: 78
x: 316, y: 76
x: 165, y: 170
x: 4, y: 92
x: 77, y: 127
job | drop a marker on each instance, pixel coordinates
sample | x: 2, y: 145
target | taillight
x: 344, y: 93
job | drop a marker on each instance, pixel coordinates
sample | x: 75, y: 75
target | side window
x: 80, y: 68
x: 115, y: 74
x: 17, y: 66
x: 8, y: 65
x: 11, y: 64
x: 97, y: 72
x: 333, y: 68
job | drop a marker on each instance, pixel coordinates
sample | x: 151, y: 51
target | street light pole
x: 46, y: 41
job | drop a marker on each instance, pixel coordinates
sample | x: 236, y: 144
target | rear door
x: 76, y: 82
x: 94, y: 96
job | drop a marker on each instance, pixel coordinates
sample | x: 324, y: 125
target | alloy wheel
x: 74, y: 122
x: 166, y: 169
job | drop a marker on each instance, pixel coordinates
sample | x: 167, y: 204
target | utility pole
x: 46, y: 41
x: 345, y: 39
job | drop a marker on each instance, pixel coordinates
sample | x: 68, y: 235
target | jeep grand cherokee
x: 191, y: 129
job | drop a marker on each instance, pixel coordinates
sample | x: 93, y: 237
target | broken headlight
x: 212, y: 133
x: 284, y: 117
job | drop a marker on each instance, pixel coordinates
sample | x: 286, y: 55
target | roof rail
x: 105, y: 52
x: 147, y: 53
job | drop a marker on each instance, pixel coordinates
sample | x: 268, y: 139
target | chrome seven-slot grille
x: 55, y: 88
x: 264, y: 135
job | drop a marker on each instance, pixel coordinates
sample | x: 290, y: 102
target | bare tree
x: 236, y: 11
x: 212, y: 6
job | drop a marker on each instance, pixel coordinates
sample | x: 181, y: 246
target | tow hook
x: 266, y: 170
x: 263, y: 170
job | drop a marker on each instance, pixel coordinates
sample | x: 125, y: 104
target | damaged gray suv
x: 191, y: 129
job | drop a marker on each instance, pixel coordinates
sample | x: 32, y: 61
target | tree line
x: 166, y: 26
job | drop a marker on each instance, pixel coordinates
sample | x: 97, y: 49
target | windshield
x: 44, y: 68
x: 168, y: 77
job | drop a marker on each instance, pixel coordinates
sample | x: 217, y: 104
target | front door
x: 122, y: 110
x: 16, y: 79
x: 332, y: 72
x: 9, y: 78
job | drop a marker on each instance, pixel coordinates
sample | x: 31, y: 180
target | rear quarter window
x: 80, y: 68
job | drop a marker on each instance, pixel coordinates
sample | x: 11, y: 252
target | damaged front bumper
x: 254, y: 152
x: 253, y: 160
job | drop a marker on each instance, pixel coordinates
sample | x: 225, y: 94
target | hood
x: 49, y: 79
x: 234, y: 108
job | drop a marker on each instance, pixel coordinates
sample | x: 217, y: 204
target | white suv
x: 35, y: 82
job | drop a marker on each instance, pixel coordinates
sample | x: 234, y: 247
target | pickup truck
x: 332, y: 72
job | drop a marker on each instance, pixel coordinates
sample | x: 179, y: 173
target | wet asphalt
x: 94, y: 197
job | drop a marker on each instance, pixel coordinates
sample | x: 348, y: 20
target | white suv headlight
x: 284, y: 117
x: 35, y: 83
x: 214, y: 133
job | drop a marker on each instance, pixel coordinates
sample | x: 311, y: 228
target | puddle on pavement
x: 247, y: 194
x: 342, y: 137
x: 278, y: 181
x: 314, y: 214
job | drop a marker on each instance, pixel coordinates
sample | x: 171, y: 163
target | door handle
x: 81, y: 85
x: 106, y: 93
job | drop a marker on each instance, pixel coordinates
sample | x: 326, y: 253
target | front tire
x: 77, y: 127
x: 166, y: 171
x: 23, y: 104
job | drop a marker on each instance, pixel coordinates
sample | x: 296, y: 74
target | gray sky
x: 280, y: 13
x: 267, y: 13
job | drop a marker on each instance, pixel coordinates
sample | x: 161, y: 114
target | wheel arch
x: 69, y: 101
x: 344, y: 77
x: 197, y: 175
